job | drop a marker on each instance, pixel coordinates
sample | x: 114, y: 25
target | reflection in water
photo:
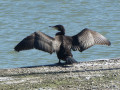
x: 21, y: 18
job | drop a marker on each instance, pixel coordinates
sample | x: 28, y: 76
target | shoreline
x: 100, y: 74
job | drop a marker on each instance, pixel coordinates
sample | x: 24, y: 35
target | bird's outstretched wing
x: 87, y: 38
x: 37, y: 40
x: 26, y: 43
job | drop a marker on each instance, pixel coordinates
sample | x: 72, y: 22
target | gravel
x: 96, y: 75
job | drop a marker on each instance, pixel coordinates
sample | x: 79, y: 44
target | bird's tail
x: 70, y: 60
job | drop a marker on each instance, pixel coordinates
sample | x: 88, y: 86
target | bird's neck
x: 62, y: 32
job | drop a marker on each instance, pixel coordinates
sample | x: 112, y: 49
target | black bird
x: 62, y: 44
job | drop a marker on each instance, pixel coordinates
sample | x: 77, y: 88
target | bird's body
x: 64, y: 51
x: 62, y: 44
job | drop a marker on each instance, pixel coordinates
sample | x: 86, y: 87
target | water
x: 20, y: 18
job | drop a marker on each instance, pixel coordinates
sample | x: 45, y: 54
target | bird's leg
x: 59, y: 62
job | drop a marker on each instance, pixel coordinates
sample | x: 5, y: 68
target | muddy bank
x: 99, y: 74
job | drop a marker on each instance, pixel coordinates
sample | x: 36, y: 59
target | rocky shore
x: 91, y: 75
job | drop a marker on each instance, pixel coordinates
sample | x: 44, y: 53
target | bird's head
x: 58, y: 27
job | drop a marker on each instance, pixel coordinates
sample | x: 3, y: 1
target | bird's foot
x: 70, y: 60
x: 59, y: 63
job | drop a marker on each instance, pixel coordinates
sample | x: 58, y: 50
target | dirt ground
x: 91, y: 75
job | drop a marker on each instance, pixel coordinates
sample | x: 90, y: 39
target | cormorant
x: 62, y: 44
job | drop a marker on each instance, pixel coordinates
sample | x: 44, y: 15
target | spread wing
x: 87, y: 38
x: 26, y: 43
x: 37, y: 40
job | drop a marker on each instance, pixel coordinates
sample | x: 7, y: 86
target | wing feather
x: 26, y: 43
x: 37, y: 40
x: 44, y: 42
x: 87, y: 38
x: 100, y: 39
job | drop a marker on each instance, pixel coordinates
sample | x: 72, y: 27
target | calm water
x: 19, y: 18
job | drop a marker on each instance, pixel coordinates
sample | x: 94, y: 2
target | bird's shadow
x: 50, y: 65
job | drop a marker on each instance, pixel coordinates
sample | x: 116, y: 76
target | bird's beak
x: 53, y: 27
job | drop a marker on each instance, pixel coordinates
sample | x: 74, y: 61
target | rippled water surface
x: 20, y: 18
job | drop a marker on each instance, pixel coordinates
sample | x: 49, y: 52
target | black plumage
x: 62, y: 44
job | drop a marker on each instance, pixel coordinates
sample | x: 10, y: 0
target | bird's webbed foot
x: 70, y: 60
